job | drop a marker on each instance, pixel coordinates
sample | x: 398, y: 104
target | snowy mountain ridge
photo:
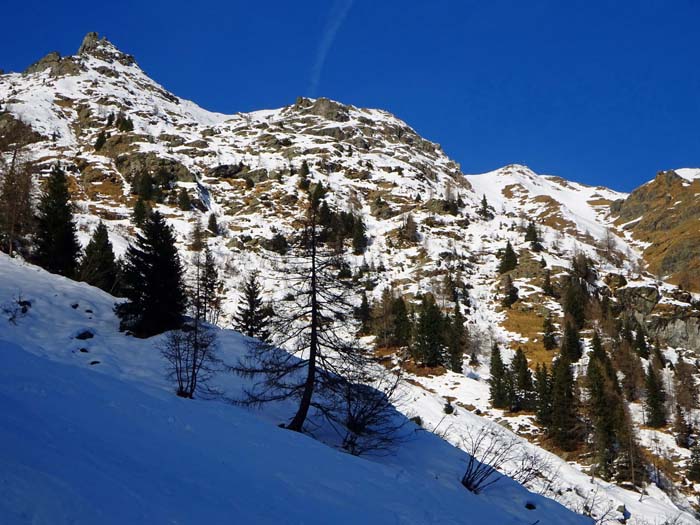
x: 247, y: 170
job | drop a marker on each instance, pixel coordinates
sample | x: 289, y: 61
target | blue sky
x: 598, y: 92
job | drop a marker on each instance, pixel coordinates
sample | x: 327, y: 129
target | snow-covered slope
x: 246, y: 170
x: 97, y: 436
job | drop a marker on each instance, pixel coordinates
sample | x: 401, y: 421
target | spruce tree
x: 499, y: 382
x: 359, y: 237
x: 640, y: 344
x: 183, y: 200
x: 402, y: 323
x: 363, y: 314
x: 457, y: 342
x: 523, y: 388
x: 543, y: 396
x: 213, y: 225
x: 252, y: 317
x: 57, y: 245
x: 654, y: 404
x: 547, y: 286
x: 574, y: 302
x: 510, y: 292
x: 571, y: 347
x: 533, y: 238
x: 140, y: 213
x: 694, y: 467
x: 549, y: 336
x: 100, y: 142
x: 428, y: 343
x: 485, y: 209
x: 681, y: 428
x: 153, y: 281
x: 564, y: 427
x: 98, y: 266
x: 508, y: 259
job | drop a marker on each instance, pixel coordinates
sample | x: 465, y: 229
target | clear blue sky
x: 601, y: 92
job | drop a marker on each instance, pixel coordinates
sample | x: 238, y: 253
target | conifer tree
x: 363, y: 314
x: 640, y: 344
x: 209, y: 285
x: 655, y: 402
x: 571, y: 347
x: 508, y: 260
x: 140, y: 213
x: 152, y: 281
x: 523, y: 388
x: 694, y: 467
x: 402, y: 323
x: 564, y: 427
x: 681, y: 428
x: 574, y: 302
x: 383, y: 319
x: 510, y: 292
x: 533, y: 237
x: 549, y: 336
x: 100, y: 142
x: 428, y: 342
x: 500, y: 380
x: 485, y: 210
x: 547, y: 286
x: 457, y: 341
x: 197, y: 242
x: 543, y: 396
x: 98, y: 266
x: 252, y: 317
x: 359, y: 237
x: 57, y: 245
x: 213, y: 225
x: 183, y: 200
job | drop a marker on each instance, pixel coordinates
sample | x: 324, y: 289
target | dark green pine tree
x: 485, y: 209
x: 428, y: 342
x: 100, y: 142
x: 564, y: 427
x: 402, y: 326
x: 359, y: 237
x: 543, y: 396
x: 152, y: 281
x: 523, y: 387
x: 640, y: 344
x: 500, y: 380
x: 549, y: 335
x: 532, y: 236
x: 363, y: 314
x: 183, y: 200
x: 574, y: 302
x: 571, y: 347
x: 655, y: 403
x: 510, y: 292
x: 457, y: 341
x: 252, y: 317
x: 605, y: 408
x: 547, y: 286
x: 681, y: 428
x: 213, y: 225
x: 140, y: 213
x: 694, y: 467
x: 508, y: 260
x: 98, y: 266
x: 57, y: 245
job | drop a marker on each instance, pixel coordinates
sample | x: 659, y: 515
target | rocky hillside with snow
x: 116, y: 132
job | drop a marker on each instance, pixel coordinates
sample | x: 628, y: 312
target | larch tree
x: 16, y: 216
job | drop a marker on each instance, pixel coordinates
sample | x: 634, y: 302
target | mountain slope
x: 89, y: 436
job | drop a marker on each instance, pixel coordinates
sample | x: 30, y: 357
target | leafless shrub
x: 191, y: 356
x: 493, y: 454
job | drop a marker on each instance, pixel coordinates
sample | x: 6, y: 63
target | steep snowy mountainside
x: 111, y: 127
x: 92, y: 432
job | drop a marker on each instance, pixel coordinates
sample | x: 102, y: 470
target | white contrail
x: 336, y: 18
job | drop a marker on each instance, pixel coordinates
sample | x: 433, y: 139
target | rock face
x: 665, y: 213
x: 89, y: 43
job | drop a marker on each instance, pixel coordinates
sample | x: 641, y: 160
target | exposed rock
x: 677, y: 331
x: 615, y: 281
x: 14, y: 131
x: 640, y: 299
x: 131, y: 164
x: 56, y: 65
